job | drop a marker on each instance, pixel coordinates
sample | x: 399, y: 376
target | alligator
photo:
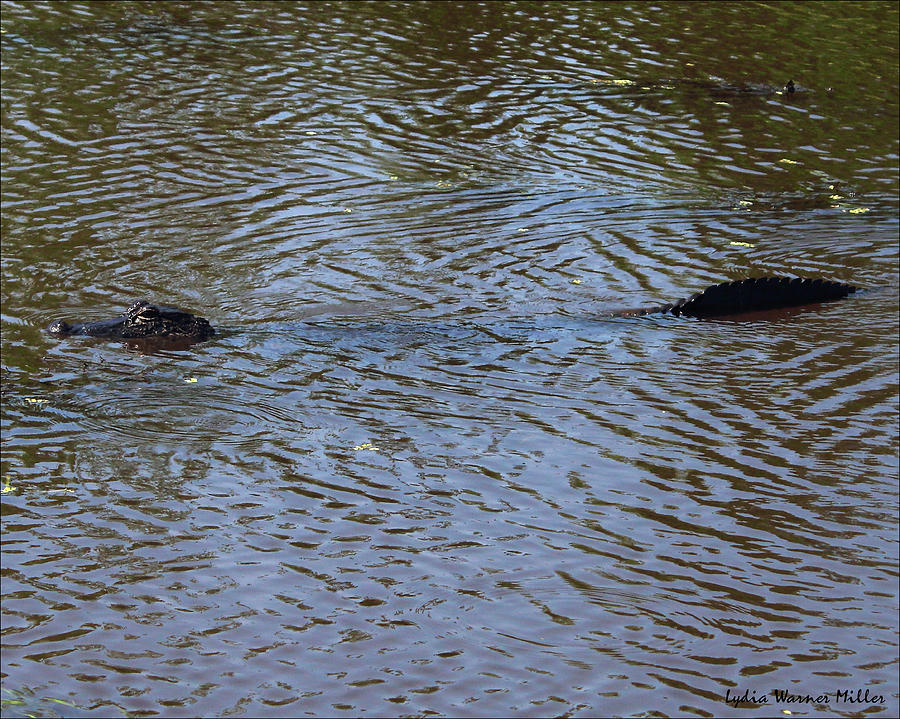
x: 143, y: 320
x: 712, y: 87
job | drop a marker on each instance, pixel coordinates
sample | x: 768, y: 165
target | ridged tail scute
x: 758, y: 294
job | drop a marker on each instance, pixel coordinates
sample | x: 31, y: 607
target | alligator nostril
x: 59, y: 327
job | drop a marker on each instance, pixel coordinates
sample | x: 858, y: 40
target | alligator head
x: 141, y: 320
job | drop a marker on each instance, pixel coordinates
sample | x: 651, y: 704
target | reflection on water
x: 420, y: 470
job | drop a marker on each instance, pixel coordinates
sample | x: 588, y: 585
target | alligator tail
x: 757, y: 294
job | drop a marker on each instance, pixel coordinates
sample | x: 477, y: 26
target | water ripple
x: 420, y: 467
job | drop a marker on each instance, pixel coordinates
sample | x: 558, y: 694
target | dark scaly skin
x: 144, y: 320
x: 141, y: 320
x: 756, y: 294
x: 710, y: 87
x: 744, y: 88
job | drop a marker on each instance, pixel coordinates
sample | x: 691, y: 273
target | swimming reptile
x: 145, y: 320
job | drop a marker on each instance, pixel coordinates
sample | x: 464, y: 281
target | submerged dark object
x: 710, y: 86
x: 141, y: 320
x: 756, y: 294
x: 749, y: 88
x: 739, y: 88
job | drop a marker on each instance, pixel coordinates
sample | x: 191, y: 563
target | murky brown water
x: 419, y: 473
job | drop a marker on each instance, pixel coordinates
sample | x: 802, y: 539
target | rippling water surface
x: 419, y: 471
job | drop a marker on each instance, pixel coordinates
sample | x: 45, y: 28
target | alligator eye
x: 142, y: 311
x: 147, y: 314
x: 137, y: 306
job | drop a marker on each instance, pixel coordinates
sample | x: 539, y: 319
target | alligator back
x: 757, y: 294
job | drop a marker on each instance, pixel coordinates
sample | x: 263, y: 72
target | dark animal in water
x: 144, y: 320
x: 742, y: 88
x: 140, y: 321
x: 710, y: 87
x: 756, y: 294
